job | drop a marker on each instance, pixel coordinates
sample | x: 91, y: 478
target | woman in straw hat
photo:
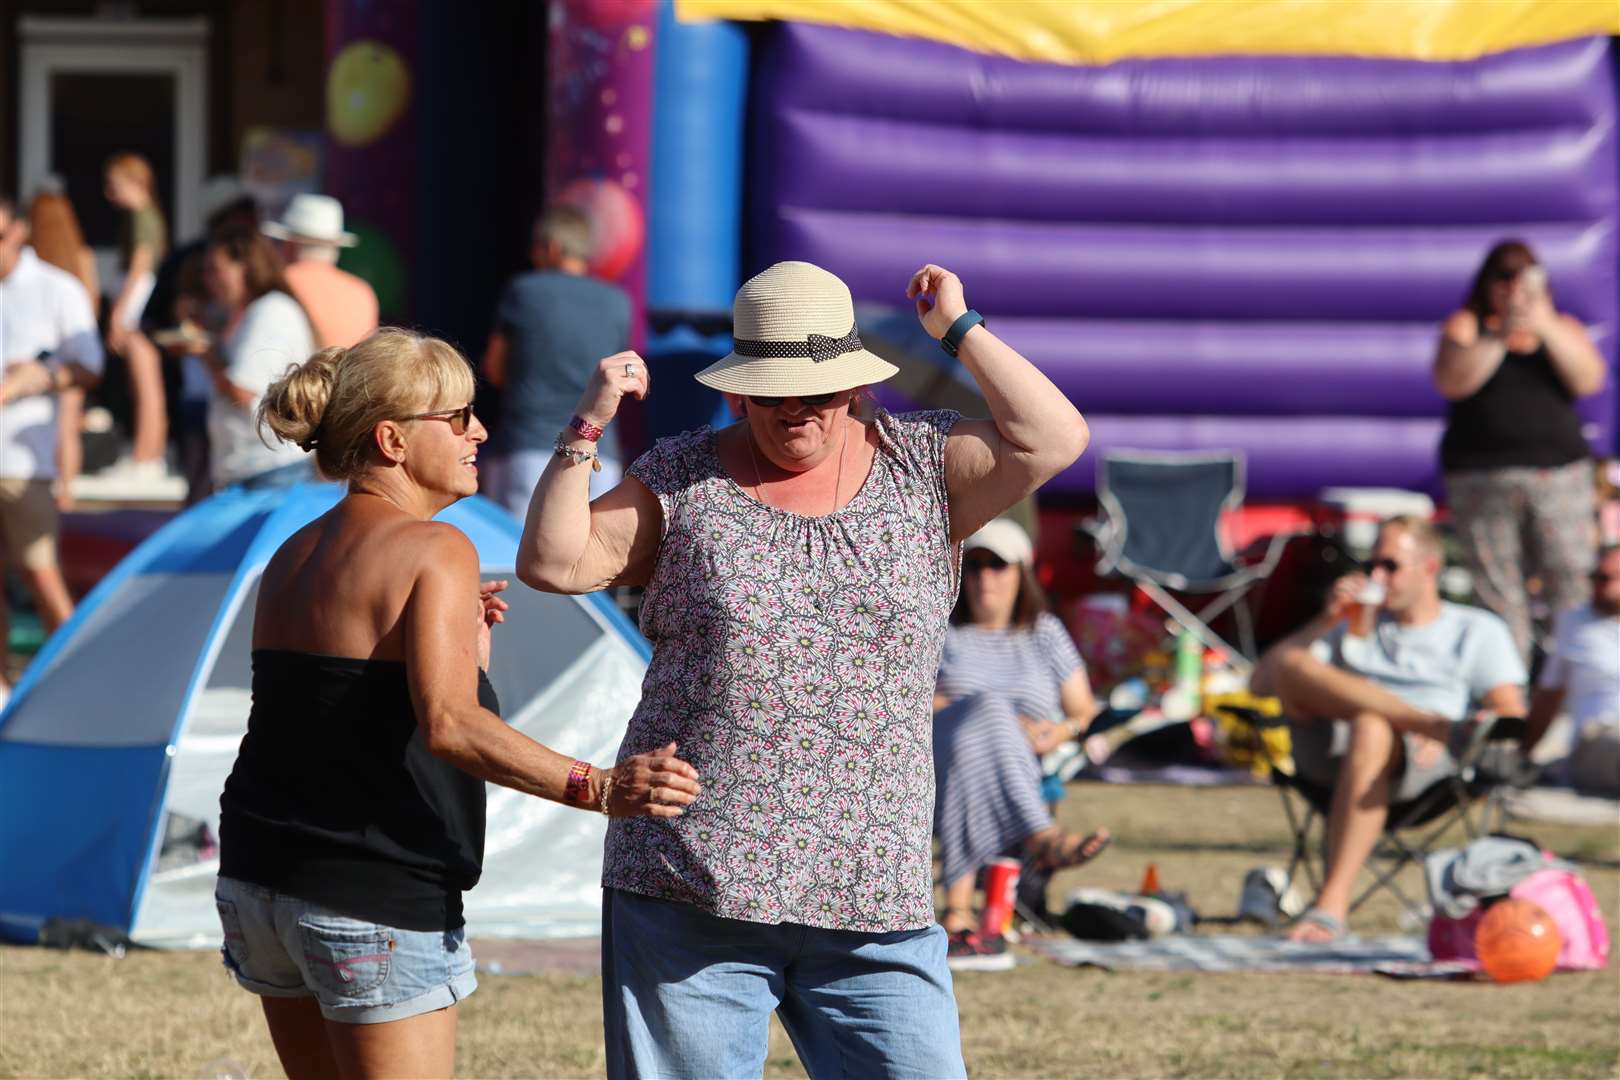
x: 800, y: 568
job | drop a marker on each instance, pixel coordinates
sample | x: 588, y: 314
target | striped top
x: 1027, y: 666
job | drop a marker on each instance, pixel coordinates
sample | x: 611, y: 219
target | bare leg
x: 1313, y: 690
x: 1360, y: 806
x: 959, y: 905
x: 146, y: 386
x: 423, y: 1046
x: 298, y: 1031
x: 50, y: 594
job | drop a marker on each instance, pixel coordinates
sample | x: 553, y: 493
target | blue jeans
x: 689, y: 994
x: 358, y: 972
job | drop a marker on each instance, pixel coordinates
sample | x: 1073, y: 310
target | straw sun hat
x: 793, y: 328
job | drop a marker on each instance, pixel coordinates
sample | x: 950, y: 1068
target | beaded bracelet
x: 577, y: 789
x: 578, y: 457
x: 584, y: 428
x: 608, y: 780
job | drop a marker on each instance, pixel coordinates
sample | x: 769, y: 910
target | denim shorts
x: 359, y: 972
x: 690, y: 994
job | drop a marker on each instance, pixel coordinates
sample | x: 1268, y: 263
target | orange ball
x: 1517, y: 941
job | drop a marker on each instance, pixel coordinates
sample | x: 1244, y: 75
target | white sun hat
x: 312, y: 219
x: 1003, y: 538
x: 793, y: 333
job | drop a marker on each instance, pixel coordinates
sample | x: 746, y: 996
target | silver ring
x: 629, y: 369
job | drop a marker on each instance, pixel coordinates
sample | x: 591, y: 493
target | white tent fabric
x: 135, y: 710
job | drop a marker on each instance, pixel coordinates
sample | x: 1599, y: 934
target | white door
x: 91, y: 88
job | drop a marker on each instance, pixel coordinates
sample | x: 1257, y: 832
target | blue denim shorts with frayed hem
x: 359, y: 972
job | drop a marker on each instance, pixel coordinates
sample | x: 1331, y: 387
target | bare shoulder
x: 424, y: 545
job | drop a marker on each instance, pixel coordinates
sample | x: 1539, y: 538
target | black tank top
x: 1523, y: 417
x: 334, y: 798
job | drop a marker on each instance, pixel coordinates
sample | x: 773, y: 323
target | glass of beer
x: 1364, y: 608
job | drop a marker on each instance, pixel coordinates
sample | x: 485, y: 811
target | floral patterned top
x: 794, y: 661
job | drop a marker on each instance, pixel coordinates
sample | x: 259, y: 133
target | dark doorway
x: 93, y: 117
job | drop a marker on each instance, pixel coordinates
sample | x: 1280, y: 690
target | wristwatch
x: 952, y: 341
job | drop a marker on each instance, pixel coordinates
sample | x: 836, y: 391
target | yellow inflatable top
x: 1101, y: 31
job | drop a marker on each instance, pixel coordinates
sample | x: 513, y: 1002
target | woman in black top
x: 1518, y: 470
x: 354, y: 816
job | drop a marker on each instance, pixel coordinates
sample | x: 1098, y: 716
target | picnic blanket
x: 1191, y: 952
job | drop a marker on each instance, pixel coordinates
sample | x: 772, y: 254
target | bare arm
x: 1079, y: 704
x: 1504, y: 700
x: 495, y: 360
x: 1466, y: 358
x: 31, y: 377
x: 1545, y: 705
x: 572, y: 545
x: 1575, y: 359
x: 1263, y: 679
x: 441, y: 661
x: 1033, y: 433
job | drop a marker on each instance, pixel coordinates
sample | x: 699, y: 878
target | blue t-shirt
x: 1443, y: 666
x: 557, y: 326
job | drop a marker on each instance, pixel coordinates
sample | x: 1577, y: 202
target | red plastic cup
x: 1000, y: 892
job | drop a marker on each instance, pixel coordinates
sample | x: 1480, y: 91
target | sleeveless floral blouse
x: 794, y: 661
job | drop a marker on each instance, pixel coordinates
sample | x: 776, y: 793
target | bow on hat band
x: 817, y: 347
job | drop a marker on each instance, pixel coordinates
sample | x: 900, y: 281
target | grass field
x: 177, y: 1014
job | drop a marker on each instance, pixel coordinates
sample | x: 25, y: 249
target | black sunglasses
x: 813, y: 400
x: 459, y: 419
x: 1601, y: 578
x: 975, y: 564
x: 1388, y: 566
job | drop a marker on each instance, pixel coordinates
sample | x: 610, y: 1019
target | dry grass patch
x: 172, y: 1014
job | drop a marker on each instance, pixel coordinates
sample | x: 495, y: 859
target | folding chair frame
x: 1228, y: 591
x: 1468, y: 796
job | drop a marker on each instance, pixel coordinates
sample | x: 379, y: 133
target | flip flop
x: 1077, y: 851
x: 1331, y: 925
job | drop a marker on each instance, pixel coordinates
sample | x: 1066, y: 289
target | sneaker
x: 967, y: 951
x: 130, y: 480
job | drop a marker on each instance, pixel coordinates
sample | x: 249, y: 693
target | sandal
x: 1331, y: 928
x: 1073, y: 850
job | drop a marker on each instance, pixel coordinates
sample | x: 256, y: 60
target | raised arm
x: 570, y: 544
x: 1033, y: 433
x: 1466, y: 358
x: 442, y: 633
x: 1575, y: 359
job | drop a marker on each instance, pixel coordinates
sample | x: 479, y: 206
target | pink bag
x: 1564, y: 896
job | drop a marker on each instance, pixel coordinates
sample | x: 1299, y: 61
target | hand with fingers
x: 623, y: 373
x: 491, y: 610
x: 938, y: 294
x: 657, y: 784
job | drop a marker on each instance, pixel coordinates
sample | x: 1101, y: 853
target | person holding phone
x: 1518, y: 470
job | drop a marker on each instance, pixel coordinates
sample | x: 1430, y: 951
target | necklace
x: 838, y: 479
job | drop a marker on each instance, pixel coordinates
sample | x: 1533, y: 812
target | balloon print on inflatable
x: 366, y: 92
x: 618, y: 228
x: 1517, y: 941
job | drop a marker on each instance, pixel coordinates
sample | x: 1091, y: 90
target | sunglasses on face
x: 1600, y: 578
x: 1388, y: 566
x: 813, y: 400
x: 978, y: 564
x: 458, y: 419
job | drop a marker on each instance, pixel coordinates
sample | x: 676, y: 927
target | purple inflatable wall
x: 1236, y: 252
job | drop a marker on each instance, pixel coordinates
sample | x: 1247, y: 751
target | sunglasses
x: 1388, y: 566
x: 1601, y: 578
x: 978, y: 564
x: 459, y: 419
x: 813, y: 400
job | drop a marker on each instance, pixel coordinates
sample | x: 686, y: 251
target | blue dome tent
x: 131, y: 716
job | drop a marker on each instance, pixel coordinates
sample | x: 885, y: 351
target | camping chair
x: 1161, y: 528
x: 1472, y: 797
